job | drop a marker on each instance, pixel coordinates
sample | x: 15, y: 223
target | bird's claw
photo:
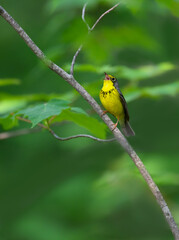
x: 114, y: 126
x: 104, y: 112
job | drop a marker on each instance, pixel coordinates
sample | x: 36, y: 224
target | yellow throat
x: 107, y: 85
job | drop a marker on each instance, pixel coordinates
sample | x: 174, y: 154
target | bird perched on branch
x: 114, y: 102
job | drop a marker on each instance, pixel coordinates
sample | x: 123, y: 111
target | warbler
x: 114, y: 102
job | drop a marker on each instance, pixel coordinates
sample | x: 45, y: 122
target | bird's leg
x: 104, y: 112
x: 115, y: 125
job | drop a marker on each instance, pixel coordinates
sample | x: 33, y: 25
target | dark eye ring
x: 113, y: 78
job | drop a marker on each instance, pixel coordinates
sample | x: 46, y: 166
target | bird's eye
x: 113, y: 78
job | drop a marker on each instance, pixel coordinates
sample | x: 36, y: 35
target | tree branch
x: 118, y: 135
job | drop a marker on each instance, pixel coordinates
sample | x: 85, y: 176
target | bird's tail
x: 127, y: 130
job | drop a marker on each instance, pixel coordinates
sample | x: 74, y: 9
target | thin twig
x: 74, y: 59
x: 118, y: 135
x: 89, y: 30
x: 80, y: 136
x: 79, y: 49
x: 77, y: 136
x: 6, y: 135
x: 109, y: 10
x: 28, y: 121
x: 83, y: 16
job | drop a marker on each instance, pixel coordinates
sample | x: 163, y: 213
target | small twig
x: 79, y: 49
x: 80, y: 136
x: 74, y: 59
x: 97, y: 21
x: 6, y: 135
x: 77, y: 136
x: 90, y: 29
x: 83, y: 16
x: 28, y: 121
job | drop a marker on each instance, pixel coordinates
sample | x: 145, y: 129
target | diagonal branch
x: 118, y: 135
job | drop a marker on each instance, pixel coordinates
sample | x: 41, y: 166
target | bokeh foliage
x: 82, y: 189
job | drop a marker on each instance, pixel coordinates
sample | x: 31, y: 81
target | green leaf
x: 78, y: 110
x: 55, y: 5
x: 161, y: 169
x: 11, y: 103
x: 133, y: 94
x: 8, y: 121
x: 171, y: 89
x: 172, y: 5
x: 132, y: 74
x: 43, y: 111
x: 9, y: 81
x: 168, y: 179
x: 145, y: 71
x: 93, y: 68
x: 8, y: 105
x: 93, y: 125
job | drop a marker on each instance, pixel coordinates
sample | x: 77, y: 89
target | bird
x: 114, y: 102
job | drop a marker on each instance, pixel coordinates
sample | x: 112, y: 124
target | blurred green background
x: 81, y: 189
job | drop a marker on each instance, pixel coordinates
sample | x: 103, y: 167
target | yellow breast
x: 110, y: 98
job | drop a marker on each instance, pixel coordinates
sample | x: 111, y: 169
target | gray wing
x: 123, y: 101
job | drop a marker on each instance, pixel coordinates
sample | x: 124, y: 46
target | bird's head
x: 110, y: 77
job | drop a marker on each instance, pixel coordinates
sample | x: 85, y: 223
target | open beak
x: 106, y: 77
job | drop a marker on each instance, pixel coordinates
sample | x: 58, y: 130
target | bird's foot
x: 104, y: 112
x: 115, y: 125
